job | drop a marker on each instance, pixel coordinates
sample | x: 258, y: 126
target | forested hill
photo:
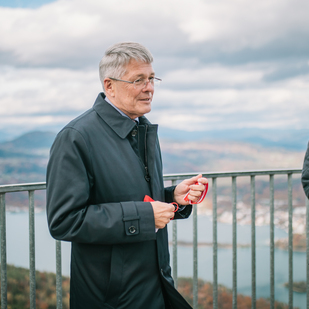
x: 29, y: 143
x: 24, y: 159
x: 18, y: 295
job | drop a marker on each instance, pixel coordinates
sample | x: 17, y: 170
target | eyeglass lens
x: 143, y: 82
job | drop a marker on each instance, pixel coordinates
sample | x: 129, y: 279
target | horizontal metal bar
x: 23, y: 187
x: 42, y: 185
x: 233, y: 174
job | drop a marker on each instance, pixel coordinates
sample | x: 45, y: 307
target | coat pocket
x: 116, y: 275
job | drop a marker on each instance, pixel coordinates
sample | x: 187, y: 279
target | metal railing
x: 31, y: 187
x: 174, y: 178
x: 234, y: 175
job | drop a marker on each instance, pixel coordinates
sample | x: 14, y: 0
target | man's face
x: 134, y: 102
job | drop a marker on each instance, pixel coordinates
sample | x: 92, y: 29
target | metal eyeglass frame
x: 154, y: 79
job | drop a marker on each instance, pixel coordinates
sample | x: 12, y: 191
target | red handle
x: 147, y: 198
x: 201, y: 197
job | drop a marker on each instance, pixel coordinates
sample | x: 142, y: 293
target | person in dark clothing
x: 305, y: 173
x: 102, y: 165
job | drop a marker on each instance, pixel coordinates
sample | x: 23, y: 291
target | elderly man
x: 102, y: 165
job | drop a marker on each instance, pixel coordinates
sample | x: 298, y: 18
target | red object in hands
x: 176, y: 206
x: 201, y: 197
x: 147, y: 198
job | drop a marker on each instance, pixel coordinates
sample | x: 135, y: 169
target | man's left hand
x: 189, y: 185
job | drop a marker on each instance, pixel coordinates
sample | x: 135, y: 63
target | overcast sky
x: 224, y: 64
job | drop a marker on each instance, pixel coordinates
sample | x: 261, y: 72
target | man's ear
x: 109, y: 87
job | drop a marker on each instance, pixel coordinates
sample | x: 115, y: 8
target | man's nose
x: 149, y: 86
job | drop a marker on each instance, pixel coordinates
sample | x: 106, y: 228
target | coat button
x: 132, y: 229
x: 147, y: 178
x: 134, y: 132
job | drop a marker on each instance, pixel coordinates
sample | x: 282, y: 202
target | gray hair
x: 113, y: 64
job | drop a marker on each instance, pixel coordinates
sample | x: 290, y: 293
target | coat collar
x: 120, y: 124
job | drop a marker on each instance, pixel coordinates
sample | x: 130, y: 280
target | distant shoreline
x: 208, y: 244
x: 281, y: 244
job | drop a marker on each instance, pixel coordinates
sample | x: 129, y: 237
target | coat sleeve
x: 184, y: 211
x: 70, y: 213
x: 305, y: 173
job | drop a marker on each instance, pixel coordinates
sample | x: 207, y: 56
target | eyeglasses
x: 141, y: 83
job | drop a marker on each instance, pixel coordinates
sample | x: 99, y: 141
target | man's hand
x: 189, y: 184
x: 163, y: 213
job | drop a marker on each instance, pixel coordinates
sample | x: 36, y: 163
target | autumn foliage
x: 46, y: 298
x: 225, y: 296
x: 18, y: 295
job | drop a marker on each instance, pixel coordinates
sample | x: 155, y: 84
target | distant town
x: 262, y: 217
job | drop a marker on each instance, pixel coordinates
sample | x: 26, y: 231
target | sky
x: 225, y: 64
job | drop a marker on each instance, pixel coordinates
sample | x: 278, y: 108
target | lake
x: 18, y: 254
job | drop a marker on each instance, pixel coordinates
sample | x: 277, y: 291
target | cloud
x: 235, y: 25
x: 216, y: 76
x: 66, y: 32
x: 278, y: 105
x: 224, y: 64
x: 34, y: 98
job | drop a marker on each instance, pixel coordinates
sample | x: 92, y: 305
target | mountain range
x: 25, y: 157
x: 289, y: 139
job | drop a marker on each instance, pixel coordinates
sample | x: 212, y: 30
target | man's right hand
x: 163, y: 213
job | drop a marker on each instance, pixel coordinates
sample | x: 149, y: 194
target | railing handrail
x: 23, y: 187
x: 175, y: 176
x: 180, y: 176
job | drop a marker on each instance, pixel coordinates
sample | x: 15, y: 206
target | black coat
x: 305, y: 173
x: 96, y: 183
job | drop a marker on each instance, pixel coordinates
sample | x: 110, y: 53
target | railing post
x: 175, y: 245
x: 3, y: 252
x: 290, y: 208
x: 58, y: 275
x: 272, y: 243
x: 195, y: 274
x: 32, y: 250
x: 234, y: 211
x: 307, y: 249
x: 215, y: 243
x: 253, y: 253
